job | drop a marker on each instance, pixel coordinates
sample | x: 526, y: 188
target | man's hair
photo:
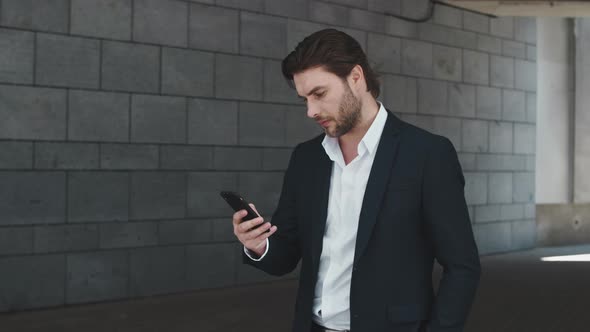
x: 333, y: 50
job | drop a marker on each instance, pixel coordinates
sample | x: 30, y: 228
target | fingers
x: 260, y: 241
x: 245, y: 226
x: 255, y: 233
x: 252, y: 233
x: 266, y: 235
x: 238, y: 216
x: 254, y: 237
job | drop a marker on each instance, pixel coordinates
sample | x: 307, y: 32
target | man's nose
x: 311, y: 110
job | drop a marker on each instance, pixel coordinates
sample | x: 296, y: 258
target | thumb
x: 254, y: 208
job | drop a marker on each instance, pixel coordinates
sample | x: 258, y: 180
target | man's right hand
x: 254, y: 239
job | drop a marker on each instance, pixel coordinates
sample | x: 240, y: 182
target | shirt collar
x: 368, y: 143
x: 373, y: 135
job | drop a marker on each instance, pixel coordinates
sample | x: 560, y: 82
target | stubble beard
x: 349, y: 114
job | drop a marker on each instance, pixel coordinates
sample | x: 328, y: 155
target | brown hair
x: 334, y: 50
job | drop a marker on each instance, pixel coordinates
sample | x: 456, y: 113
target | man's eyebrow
x: 312, y: 91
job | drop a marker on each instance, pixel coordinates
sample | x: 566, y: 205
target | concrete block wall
x: 121, y: 120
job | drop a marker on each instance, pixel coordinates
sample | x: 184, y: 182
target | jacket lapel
x: 319, y: 202
x: 377, y: 183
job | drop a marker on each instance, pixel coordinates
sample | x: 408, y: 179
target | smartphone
x: 238, y: 203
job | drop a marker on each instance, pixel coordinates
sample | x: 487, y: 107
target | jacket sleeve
x: 448, y: 224
x: 284, y: 251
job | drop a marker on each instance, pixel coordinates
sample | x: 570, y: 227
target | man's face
x: 330, y: 101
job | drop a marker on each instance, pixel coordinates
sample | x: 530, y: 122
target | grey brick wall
x: 121, y: 120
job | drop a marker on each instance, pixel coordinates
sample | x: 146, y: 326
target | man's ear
x: 356, y: 74
x: 356, y: 80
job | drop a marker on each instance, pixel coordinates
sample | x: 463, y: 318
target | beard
x: 349, y: 114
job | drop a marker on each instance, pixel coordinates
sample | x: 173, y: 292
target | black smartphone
x: 238, y: 203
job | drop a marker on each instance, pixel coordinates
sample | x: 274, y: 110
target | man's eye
x: 320, y: 95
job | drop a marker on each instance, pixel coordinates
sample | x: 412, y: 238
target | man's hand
x: 253, y: 239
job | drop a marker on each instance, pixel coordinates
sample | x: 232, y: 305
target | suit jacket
x: 413, y: 212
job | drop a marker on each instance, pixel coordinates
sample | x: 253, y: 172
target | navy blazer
x: 413, y: 212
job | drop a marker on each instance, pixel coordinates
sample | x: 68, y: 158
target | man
x: 366, y: 207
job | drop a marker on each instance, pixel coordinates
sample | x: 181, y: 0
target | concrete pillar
x: 554, y: 176
x: 563, y: 172
x: 582, y: 113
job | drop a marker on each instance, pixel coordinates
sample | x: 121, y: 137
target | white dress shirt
x: 331, y: 304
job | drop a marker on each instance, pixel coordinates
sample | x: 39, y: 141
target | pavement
x: 518, y: 292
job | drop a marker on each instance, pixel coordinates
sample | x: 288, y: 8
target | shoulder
x: 424, y: 140
x: 311, y: 146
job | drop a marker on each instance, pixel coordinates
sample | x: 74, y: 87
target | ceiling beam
x: 560, y: 8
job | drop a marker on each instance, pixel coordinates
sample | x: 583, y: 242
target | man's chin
x: 331, y: 133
